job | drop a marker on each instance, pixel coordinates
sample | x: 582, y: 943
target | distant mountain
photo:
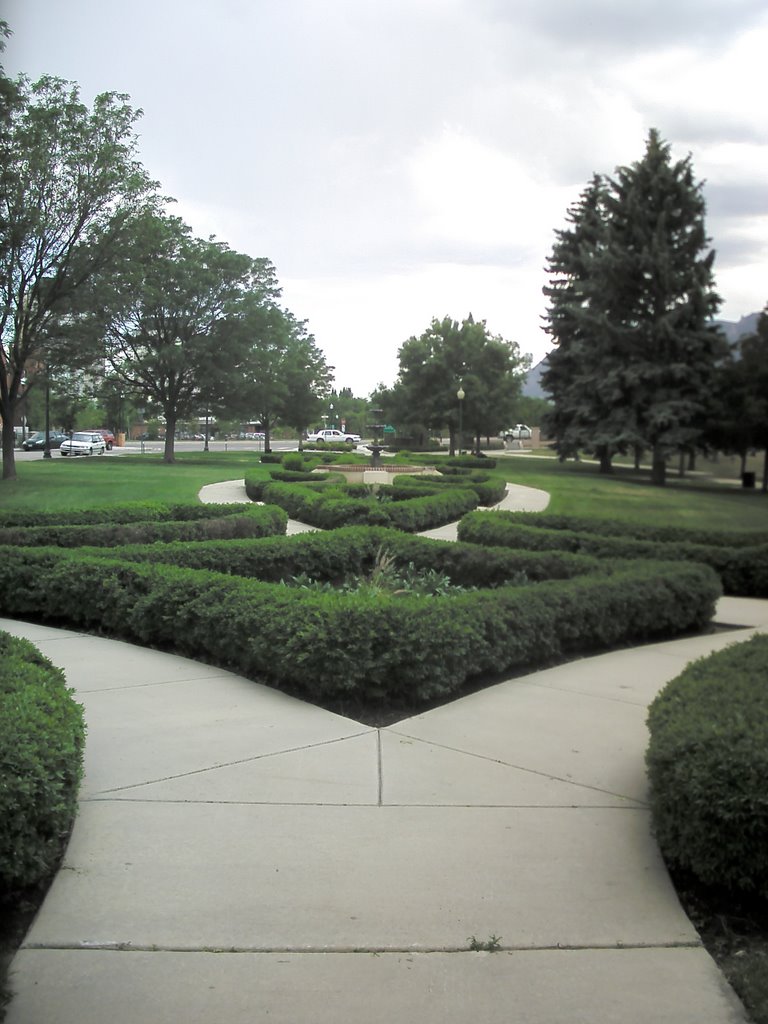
x: 532, y: 384
x: 733, y: 331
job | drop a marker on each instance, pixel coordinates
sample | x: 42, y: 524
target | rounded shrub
x: 41, y: 750
x: 708, y: 765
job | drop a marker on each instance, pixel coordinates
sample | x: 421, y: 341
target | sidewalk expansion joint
x: 633, y: 801
x: 239, y: 761
x: 559, y: 947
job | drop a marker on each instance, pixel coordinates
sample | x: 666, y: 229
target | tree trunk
x: 605, y: 456
x: 451, y: 442
x: 743, y: 465
x: 9, y: 447
x: 659, y: 467
x: 638, y: 456
x: 169, y: 452
x: 267, y: 433
x: 765, y: 472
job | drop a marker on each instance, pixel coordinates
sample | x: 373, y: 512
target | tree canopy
x: 451, y: 355
x: 168, y: 316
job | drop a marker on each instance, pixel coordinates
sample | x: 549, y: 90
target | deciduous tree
x: 167, y: 315
x: 450, y: 355
x: 69, y: 187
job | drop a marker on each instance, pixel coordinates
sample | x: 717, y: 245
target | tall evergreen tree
x: 662, y: 299
x: 581, y: 373
x: 631, y: 304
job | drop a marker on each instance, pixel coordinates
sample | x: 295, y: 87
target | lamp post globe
x: 460, y: 394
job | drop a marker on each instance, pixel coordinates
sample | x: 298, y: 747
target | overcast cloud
x: 404, y: 159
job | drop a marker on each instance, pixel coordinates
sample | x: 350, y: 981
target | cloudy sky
x: 403, y: 159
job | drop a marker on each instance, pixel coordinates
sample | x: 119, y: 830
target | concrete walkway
x: 241, y: 856
x: 517, y: 499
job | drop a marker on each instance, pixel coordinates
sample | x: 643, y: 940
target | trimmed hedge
x: 708, y: 765
x: 489, y: 490
x: 239, y: 521
x: 41, y: 751
x: 351, y: 551
x: 128, y: 512
x: 324, y: 504
x: 643, y: 531
x: 742, y: 569
x: 377, y: 645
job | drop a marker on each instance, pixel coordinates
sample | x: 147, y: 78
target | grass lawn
x: 49, y: 484
x: 576, y: 488
x: 697, y: 502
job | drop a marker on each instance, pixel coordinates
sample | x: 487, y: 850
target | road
x: 157, y: 447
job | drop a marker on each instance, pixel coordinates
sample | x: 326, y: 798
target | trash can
x: 120, y: 442
x: 748, y: 480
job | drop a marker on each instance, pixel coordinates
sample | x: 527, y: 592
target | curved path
x: 240, y: 855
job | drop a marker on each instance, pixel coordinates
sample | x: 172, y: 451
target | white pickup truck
x: 518, y: 433
x: 333, y: 437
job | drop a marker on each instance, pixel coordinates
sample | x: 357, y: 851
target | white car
x: 84, y: 442
x: 333, y: 437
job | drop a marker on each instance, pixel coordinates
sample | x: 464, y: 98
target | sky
x: 399, y: 160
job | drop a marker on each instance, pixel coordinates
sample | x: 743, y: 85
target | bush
x: 351, y: 551
x: 326, y: 505
x: 708, y: 764
x: 642, y: 531
x: 238, y: 521
x: 382, y: 646
x: 129, y: 512
x: 293, y: 462
x: 41, y: 749
x: 743, y: 570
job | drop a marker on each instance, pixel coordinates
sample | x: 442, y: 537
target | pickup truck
x: 333, y: 437
x: 518, y: 433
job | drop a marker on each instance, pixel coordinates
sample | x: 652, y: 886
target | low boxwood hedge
x: 325, y: 505
x: 489, y: 490
x: 708, y: 765
x: 127, y: 512
x: 228, y: 521
x: 319, y: 645
x: 643, y: 531
x: 742, y: 569
x: 41, y: 751
x: 332, y: 556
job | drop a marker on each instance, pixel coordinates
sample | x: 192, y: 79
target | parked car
x: 518, y: 433
x: 36, y: 442
x: 84, y: 442
x: 109, y: 437
x: 333, y: 437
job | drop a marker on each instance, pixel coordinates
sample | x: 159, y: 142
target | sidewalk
x: 242, y: 856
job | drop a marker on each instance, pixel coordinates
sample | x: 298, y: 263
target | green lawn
x: 693, y: 501
x: 575, y: 488
x: 44, y: 484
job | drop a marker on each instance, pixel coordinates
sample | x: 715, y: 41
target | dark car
x: 36, y: 442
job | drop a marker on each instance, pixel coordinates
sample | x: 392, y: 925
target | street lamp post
x: 461, y: 396
x: 47, y: 449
